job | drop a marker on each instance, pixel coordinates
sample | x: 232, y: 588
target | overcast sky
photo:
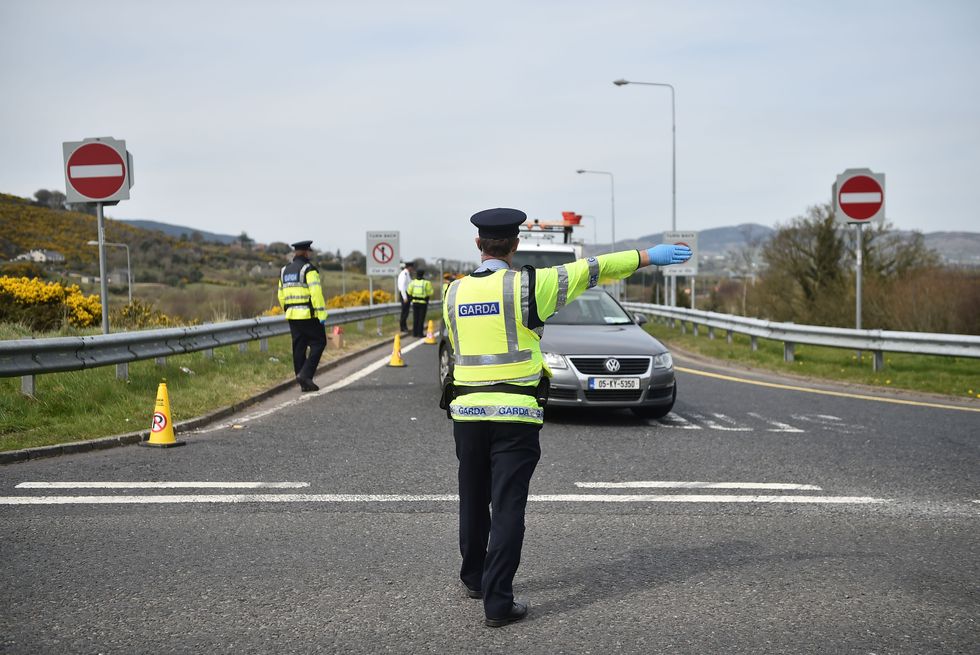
x: 320, y: 120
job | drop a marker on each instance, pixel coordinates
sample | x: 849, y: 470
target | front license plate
x: 614, y: 383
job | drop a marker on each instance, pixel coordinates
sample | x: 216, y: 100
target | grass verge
x: 92, y: 403
x: 951, y: 376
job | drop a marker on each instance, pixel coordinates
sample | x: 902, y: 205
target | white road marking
x: 428, y: 498
x: 778, y: 426
x: 162, y: 485
x: 673, y: 420
x: 715, y: 425
x: 666, y: 484
x: 306, y: 397
x: 828, y: 422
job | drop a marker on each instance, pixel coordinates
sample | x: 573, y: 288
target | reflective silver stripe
x: 531, y: 378
x: 525, y: 298
x: 562, y: 287
x: 513, y: 357
x: 593, y: 271
x: 451, y: 313
x: 487, y: 411
x: 510, y: 320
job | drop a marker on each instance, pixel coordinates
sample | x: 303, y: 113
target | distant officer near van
x: 302, y: 301
x: 495, y: 318
x: 419, y: 290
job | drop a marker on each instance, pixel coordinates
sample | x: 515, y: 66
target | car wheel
x: 656, y: 411
x: 445, y: 363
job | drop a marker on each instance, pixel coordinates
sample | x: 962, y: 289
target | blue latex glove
x: 668, y: 253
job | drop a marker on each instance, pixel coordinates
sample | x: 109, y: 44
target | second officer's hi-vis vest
x: 299, y: 291
x: 495, y: 324
x: 419, y: 291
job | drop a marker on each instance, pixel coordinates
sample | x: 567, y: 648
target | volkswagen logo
x: 612, y: 365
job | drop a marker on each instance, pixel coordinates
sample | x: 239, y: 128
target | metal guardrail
x: 876, y: 341
x: 30, y: 357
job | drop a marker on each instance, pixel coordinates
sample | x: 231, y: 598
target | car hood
x: 599, y: 340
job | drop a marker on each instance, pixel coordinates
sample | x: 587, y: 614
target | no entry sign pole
x: 859, y: 198
x: 98, y: 171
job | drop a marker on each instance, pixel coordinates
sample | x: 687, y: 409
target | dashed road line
x: 162, y: 485
x: 430, y: 498
x: 824, y: 392
x: 777, y: 426
x: 666, y: 484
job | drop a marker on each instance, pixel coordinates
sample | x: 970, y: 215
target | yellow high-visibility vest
x: 300, y: 294
x: 496, y: 338
x: 419, y: 291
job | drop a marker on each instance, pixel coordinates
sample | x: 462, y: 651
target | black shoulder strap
x: 533, y: 320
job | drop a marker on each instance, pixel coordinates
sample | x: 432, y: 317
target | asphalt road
x: 805, y: 523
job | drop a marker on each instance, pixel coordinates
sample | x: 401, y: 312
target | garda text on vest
x: 478, y: 309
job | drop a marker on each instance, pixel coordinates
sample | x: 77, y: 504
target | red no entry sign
x: 97, y: 170
x: 860, y: 196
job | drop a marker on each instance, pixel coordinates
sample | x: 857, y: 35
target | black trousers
x: 307, y: 334
x: 419, y: 310
x: 403, y: 319
x: 496, y: 461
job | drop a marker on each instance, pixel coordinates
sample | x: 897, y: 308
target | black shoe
x: 472, y: 593
x: 517, y: 612
x: 306, y: 384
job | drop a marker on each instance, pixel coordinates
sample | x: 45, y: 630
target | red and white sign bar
x: 97, y: 170
x: 859, y: 196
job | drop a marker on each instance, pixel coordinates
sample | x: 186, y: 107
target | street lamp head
x: 581, y: 170
x: 620, y: 82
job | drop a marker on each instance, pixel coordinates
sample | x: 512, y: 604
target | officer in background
x: 419, y: 290
x: 495, y: 318
x: 404, y: 279
x: 302, y: 300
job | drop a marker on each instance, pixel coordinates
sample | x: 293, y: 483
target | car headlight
x: 663, y: 361
x: 554, y: 360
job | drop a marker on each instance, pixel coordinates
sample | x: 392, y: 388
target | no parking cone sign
x: 161, y: 425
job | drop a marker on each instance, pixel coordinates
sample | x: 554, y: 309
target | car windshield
x: 594, y: 307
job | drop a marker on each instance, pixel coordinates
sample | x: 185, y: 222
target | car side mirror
x: 640, y: 318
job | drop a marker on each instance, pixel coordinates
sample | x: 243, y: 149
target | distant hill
x: 958, y: 248
x: 713, y: 241
x: 177, y: 231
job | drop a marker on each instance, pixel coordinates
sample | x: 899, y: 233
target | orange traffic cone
x: 430, y: 336
x: 162, y: 426
x: 396, y: 352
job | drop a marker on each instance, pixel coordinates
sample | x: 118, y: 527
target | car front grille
x: 597, y: 365
x: 614, y: 395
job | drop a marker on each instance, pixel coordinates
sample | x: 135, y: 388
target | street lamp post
x: 673, y: 166
x: 129, y: 270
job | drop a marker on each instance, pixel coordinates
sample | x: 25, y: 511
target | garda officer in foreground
x: 419, y: 290
x: 302, y: 300
x: 495, y: 318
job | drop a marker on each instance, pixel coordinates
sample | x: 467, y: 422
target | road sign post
x: 382, y: 259
x: 99, y: 171
x: 859, y: 198
x: 688, y: 268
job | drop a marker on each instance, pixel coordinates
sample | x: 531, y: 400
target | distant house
x: 42, y: 256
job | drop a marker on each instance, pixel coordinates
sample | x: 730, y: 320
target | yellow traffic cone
x: 396, y: 352
x: 430, y: 336
x: 162, y: 426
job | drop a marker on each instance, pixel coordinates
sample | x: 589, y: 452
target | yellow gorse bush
x: 24, y: 298
x: 359, y: 298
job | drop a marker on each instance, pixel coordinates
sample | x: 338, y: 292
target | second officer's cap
x: 499, y: 223
x: 302, y: 245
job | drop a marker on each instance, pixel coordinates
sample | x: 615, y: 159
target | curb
x: 26, y: 454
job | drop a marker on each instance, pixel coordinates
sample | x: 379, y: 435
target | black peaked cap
x: 302, y: 245
x: 499, y: 223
